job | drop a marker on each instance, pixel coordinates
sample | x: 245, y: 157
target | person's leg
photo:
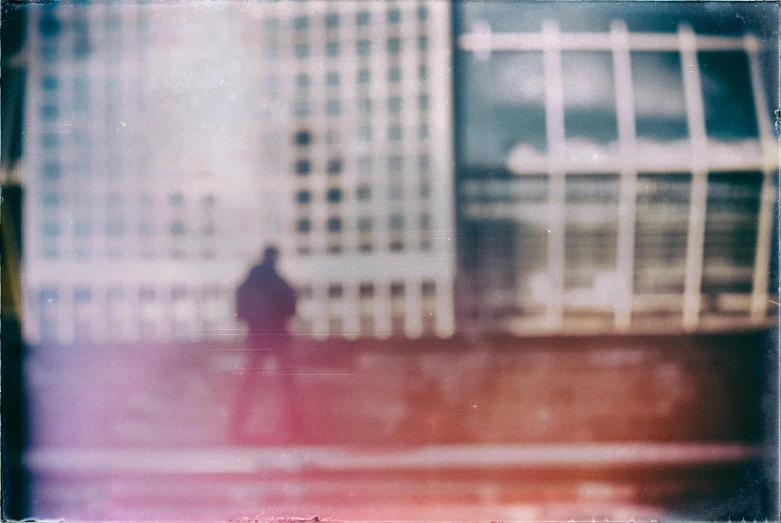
x: 287, y: 374
x: 253, y: 359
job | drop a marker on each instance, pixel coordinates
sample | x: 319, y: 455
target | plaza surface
x: 516, y: 429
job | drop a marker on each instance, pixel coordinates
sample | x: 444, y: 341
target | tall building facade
x: 612, y: 180
x: 166, y: 145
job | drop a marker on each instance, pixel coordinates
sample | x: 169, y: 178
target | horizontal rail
x: 484, y: 40
x: 452, y: 457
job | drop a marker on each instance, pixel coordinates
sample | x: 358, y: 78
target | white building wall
x: 183, y: 165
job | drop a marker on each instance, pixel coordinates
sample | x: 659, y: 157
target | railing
x: 696, y: 157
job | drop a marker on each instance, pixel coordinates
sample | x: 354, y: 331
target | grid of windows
x: 351, y: 142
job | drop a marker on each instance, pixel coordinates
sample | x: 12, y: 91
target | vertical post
x: 382, y: 308
x: 554, y: 123
x: 351, y: 310
x: 442, y: 169
x: 699, y: 189
x: 413, y: 307
x: 759, y: 291
x: 319, y: 309
x: 625, y: 103
x: 14, y: 411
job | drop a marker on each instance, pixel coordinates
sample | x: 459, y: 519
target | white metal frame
x: 698, y: 160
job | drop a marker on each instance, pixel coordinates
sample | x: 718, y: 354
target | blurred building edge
x: 602, y: 211
x: 14, y: 397
x: 13, y: 389
x: 353, y: 178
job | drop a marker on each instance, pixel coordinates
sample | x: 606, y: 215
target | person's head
x: 270, y: 255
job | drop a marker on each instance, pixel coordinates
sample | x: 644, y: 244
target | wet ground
x: 532, y: 430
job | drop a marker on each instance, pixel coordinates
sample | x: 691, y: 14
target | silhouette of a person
x: 265, y: 303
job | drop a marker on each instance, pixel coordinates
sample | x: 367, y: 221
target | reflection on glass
x: 589, y: 97
x: 660, y: 104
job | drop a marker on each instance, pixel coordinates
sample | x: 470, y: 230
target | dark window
x: 49, y: 53
x: 335, y: 290
x: 178, y: 228
x: 115, y: 227
x: 302, y: 51
x: 50, y: 140
x: 334, y: 166
x: 332, y: 21
x: 334, y: 195
x: 422, y: 13
x: 303, y: 197
x: 364, y: 106
x: 304, y: 225
x: 303, y: 167
x: 423, y: 72
x: 366, y: 290
x: 302, y: 108
x: 334, y: 224
x: 49, y: 26
x: 301, y: 22
x: 422, y: 43
x: 394, y: 104
x: 49, y: 83
x: 364, y: 164
x: 51, y: 229
x: 423, y: 102
x: 332, y: 78
x: 394, y: 132
x: 362, y: 18
x: 394, y: 16
x: 423, y: 162
x: 395, y: 162
x: 364, y: 47
x: 365, y: 133
x: 363, y: 76
x: 50, y: 200
x: 395, y: 191
x: 51, y: 170
x: 82, y: 229
x: 365, y: 224
x: 332, y: 49
x: 396, y: 222
x: 80, y: 47
x: 303, y: 138
x: 394, y: 45
x: 176, y: 200
x: 397, y: 289
x: 428, y: 288
x: 333, y: 107
x: 394, y: 74
x: 425, y: 221
x: 302, y: 80
x: 50, y: 112
x: 424, y: 131
x: 364, y: 193
x: 727, y: 95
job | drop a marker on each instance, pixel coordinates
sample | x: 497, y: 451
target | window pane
x: 660, y: 103
x: 661, y: 232
x: 589, y: 97
x: 727, y: 95
x: 730, y: 232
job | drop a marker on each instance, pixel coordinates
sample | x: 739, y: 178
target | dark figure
x: 265, y: 303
